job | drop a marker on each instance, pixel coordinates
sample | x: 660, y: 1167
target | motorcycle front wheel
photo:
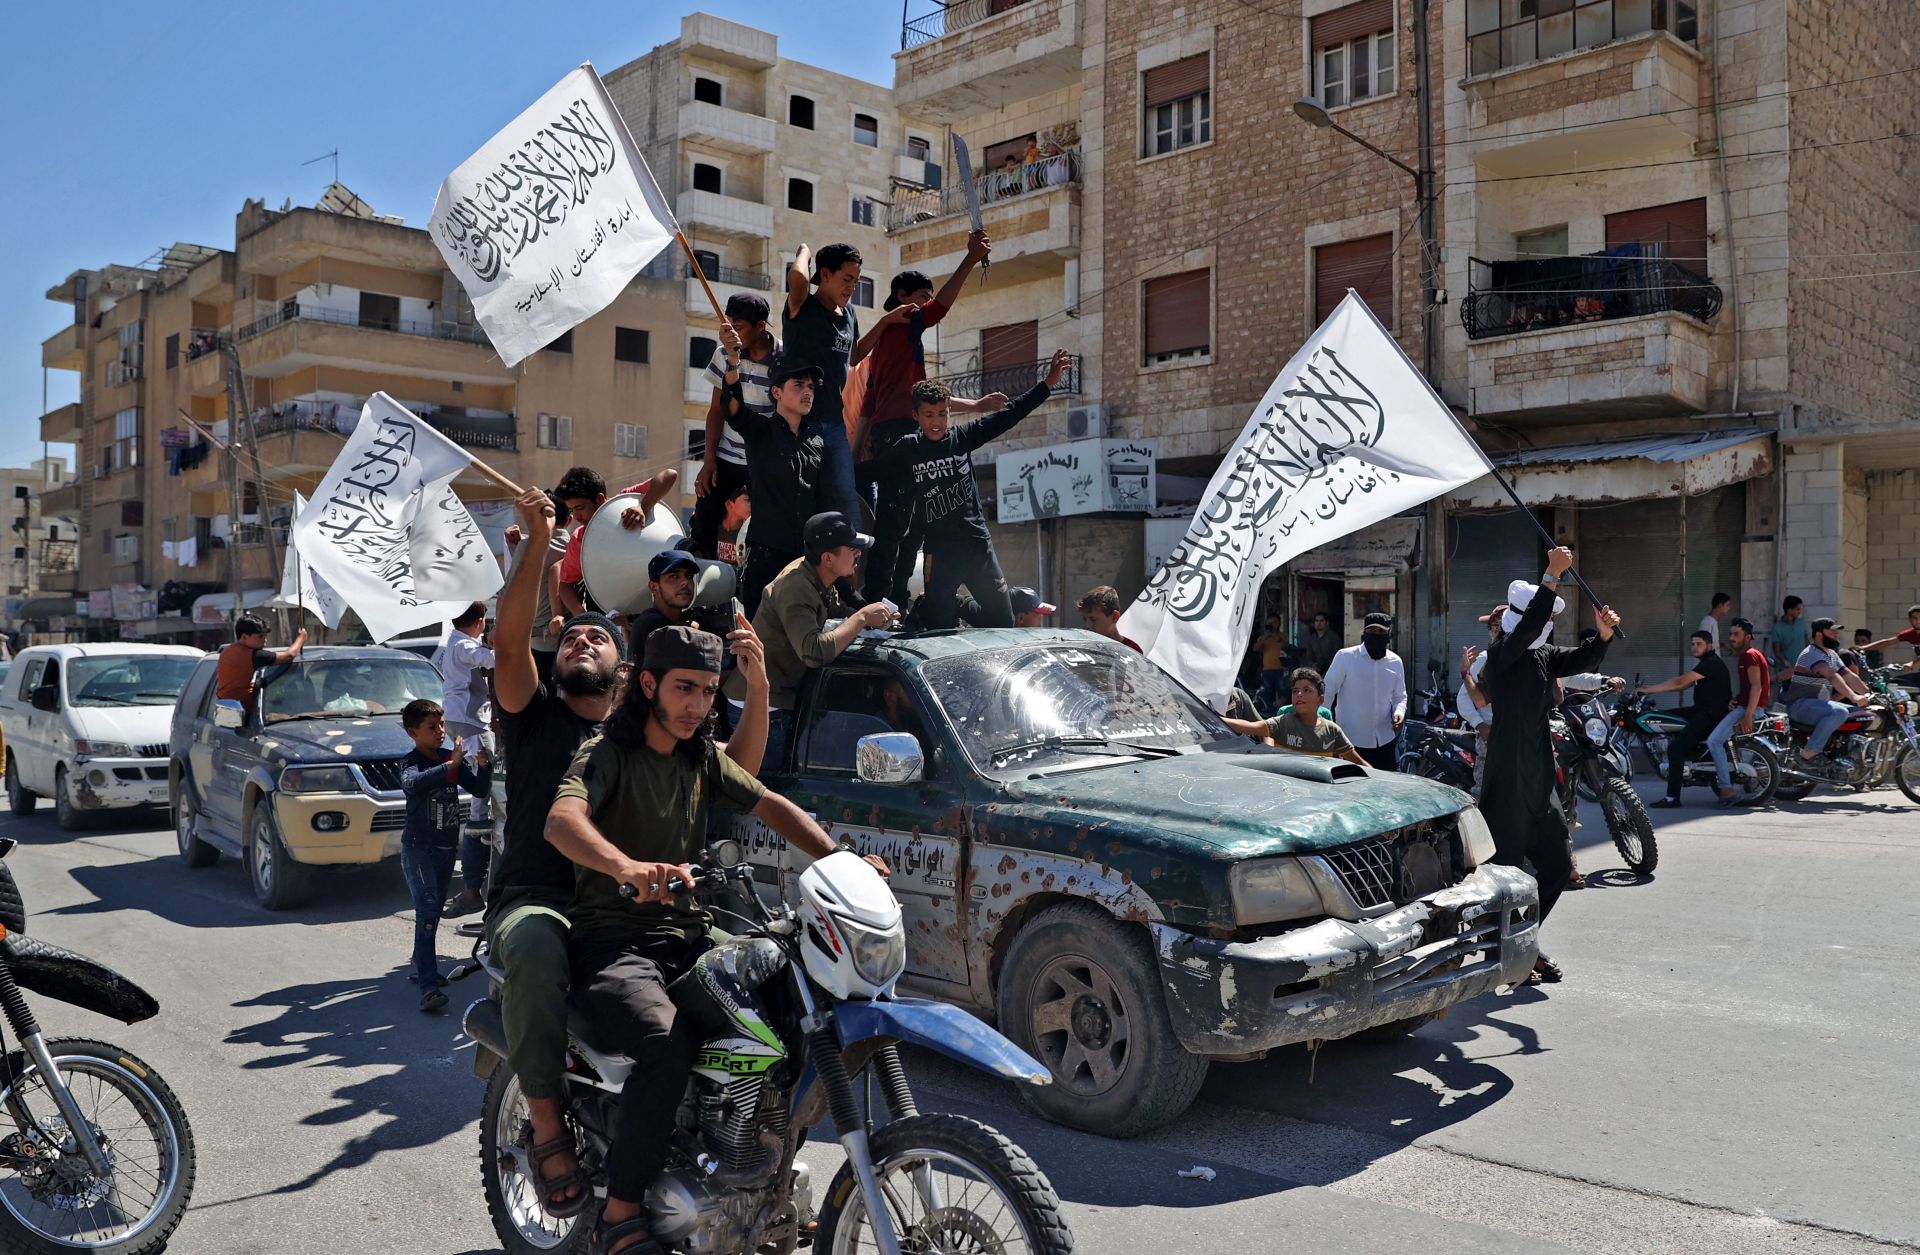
x: 954, y: 1185
x: 513, y: 1201
x: 142, y: 1130
x: 1906, y: 773
x: 1629, y: 825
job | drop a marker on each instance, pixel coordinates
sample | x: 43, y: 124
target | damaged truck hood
x: 349, y: 738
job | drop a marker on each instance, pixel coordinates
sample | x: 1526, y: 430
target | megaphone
x: 613, y: 560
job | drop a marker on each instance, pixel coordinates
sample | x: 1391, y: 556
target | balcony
x: 61, y: 426
x: 1032, y: 214
x: 473, y: 431
x: 55, y: 582
x: 724, y: 215
x: 1610, y: 335
x: 298, y: 337
x: 725, y: 281
x: 120, y: 485
x: 1013, y: 379
x: 204, y: 340
x: 284, y: 240
x: 729, y: 130
x: 717, y: 39
x: 699, y: 386
x: 960, y: 59
x: 64, y: 350
x: 62, y: 502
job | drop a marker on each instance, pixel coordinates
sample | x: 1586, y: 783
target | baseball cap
x: 679, y: 647
x: 1493, y: 614
x: 830, y: 530
x: 1379, y: 620
x: 1828, y: 625
x: 666, y: 560
x: 1026, y: 601
x: 785, y: 366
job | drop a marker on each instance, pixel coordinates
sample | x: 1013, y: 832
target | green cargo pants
x: 527, y: 935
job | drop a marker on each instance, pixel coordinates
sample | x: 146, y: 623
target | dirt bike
x: 1579, y: 745
x: 1752, y: 765
x: 1438, y: 753
x: 97, y: 1154
x: 797, y: 1007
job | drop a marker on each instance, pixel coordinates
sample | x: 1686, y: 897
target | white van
x: 87, y: 725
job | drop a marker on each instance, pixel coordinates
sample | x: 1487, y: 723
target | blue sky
x: 149, y: 124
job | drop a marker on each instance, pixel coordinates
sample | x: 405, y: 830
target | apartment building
x: 38, y: 550
x: 758, y: 154
x: 308, y: 313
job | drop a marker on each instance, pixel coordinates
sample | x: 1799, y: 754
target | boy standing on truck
x: 432, y: 778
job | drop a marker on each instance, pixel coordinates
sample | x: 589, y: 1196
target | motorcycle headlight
x: 1476, y: 839
x: 319, y: 780
x: 102, y: 749
x: 1266, y: 890
x: 879, y: 955
x: 1596, y: 730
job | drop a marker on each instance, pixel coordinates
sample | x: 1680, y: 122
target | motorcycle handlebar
x: 703, y: 878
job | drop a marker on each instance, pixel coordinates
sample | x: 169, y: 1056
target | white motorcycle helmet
x: 851, y: 936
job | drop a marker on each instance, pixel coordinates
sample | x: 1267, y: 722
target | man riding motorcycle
x: 1755, y: 684
x: 1712, y: 693
x: 1818, y: 678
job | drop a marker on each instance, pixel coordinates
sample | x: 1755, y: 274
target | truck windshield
x: 1011, y: 707
x: 332, y: 687
x: 128, y: 680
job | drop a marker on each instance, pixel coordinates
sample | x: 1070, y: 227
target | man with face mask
x: 1819, y: 678
x: 1367, y: 688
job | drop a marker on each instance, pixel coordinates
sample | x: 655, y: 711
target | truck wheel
x: 70, y: 817
x: 1081, y: 993
x: 21, y: 799
x: 186, y: 830
x: 279, y: 883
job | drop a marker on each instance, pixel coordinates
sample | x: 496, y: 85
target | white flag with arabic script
x: 1347, y: 435
x: 301, y: 585
x: 552, y: 218
x: 378, y: 525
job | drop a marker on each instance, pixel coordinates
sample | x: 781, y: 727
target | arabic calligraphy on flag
x: 1348, y: 434
x: 386, y: 531
x: 552, y: 218
x: 301, y: 585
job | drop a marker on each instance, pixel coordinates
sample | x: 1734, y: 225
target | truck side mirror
x: 229, y: 714
x: 888, y: 758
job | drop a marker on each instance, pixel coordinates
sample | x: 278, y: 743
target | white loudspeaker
x: 613, y: 560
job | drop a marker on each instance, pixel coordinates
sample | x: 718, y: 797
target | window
x: 866, y: 130
x: 173, y: 350
x: 169, y: 529
x: 696, y: 444
x: 800, y: 112
x: 556, y: 431
x: 1175, y: 313
x: 1546, y: 242
x: 126, y: 549
x: 629, y: 440
x: 126, y: 439
x: 863, y: 292
x: 106, y: 541
x: 1178, y: 103
x: 700, y: 351
x: 851, y: 704
x: 630, y: 345
x: 379, y: 311
x: 1366, y: 266
x: 861, y: 211
x: 800, y: 195
x: 709, y: 262
x: 1353, y: 53
x: 919, y: 148
x: 562, y: 343
x: 1501, y: 33
x: 706, y: 178
x: 706, y: 90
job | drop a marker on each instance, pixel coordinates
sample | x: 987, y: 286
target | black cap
x: 593, y: 618
x: 1379, y: 620
x: 831, y: 530
x: 1828, y: 625
x: 667, y: 559
x: 1026, y: 601
x: 785, y: 366
x: 682, y: 648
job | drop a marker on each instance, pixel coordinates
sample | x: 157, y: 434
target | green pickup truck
x: 1085, y: 853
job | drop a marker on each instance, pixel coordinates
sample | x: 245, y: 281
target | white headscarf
x: 1520, y: 594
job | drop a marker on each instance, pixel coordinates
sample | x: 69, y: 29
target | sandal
x: 548, y: 1187
x: 1545, y: 972
x: 605, y: 1235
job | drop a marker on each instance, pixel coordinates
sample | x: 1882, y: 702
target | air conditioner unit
x: 1087, y: 422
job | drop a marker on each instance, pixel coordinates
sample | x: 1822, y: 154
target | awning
x: 216, y: 609
x: 46, y: 607
x: 1615, y: 471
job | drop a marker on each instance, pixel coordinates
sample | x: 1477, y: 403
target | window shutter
x: 546, y: 431
x: 1366, y: 266
x: 1015, y: 344
x: 1175, y: 308
x: 1177, y: 79
x: 1369, y: 17
x: 1680, y: 229
x: 565, y: 432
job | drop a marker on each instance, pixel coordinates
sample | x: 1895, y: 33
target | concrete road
x: 1730, y: 1066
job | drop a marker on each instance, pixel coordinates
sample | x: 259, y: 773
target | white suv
x: 87, y: 726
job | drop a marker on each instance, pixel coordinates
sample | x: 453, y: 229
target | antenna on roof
x: 333, y: 156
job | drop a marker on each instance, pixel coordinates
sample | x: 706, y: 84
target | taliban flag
x: 1348, y: 434
x: 303, y: 588
x: 386, y: 531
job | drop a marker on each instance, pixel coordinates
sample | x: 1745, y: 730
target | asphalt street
x: 1730, y: 1066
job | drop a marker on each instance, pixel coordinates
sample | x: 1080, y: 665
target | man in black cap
x: 1028, y: 610
x: 1367, y: 688
x: 792, y: 621
x: 784, y: 459
x: 632, y: 813
x: 671, y: 574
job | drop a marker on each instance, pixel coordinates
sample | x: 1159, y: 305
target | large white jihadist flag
x: 386, y: 531
x: 302, y: 586
x: 1347, y: 435
x: 552, y: 218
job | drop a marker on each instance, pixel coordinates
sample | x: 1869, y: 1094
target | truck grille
x: 383, y: 774
x: 387, y: 821
x: 150, y: 751
x: 1369, y: 872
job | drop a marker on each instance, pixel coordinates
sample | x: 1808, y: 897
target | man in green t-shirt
x: 1301, y: 726
x: 633, y: 810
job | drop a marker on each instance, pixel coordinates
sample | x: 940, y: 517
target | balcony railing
x: 431, y: 330
x: 1505, y: 297
x: 202, y: 341
x: 1528, y: 35
x: 948, y: 18
x: 738, y: 278
x: 913, y: 206
x: 475, y: 433
x: 1013, y: 379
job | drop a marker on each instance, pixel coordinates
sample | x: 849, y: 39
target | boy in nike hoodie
x: 432, y: 778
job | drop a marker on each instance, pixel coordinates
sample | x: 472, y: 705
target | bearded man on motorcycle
x: 1818, y: 678
x: 632, y: 814
x: 1712, y: 694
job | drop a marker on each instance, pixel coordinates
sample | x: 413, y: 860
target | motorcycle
x: 1875, y: 744
x: 1752, y: 765
x: 1438, y: 753
x: 97, y: 1152
x: 1581, y: 734
x: 798, y: 1007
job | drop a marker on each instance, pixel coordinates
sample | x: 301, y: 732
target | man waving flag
x: 1347, y: 435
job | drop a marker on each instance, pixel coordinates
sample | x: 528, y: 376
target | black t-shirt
x: 537, y: 746
x: 819, y: 337
x: 938, y: 474
x: 1713, y: 692
x: 783, y: 466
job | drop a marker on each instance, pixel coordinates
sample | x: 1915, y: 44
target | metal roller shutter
x: 1365, y: 265
x: 1369, y: 17
x: 1176, y: 312
x: 1177, y: 79
x: 1489, y: 552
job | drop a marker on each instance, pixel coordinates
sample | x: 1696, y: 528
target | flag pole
x: 699, y: 272
x: 496, y: 477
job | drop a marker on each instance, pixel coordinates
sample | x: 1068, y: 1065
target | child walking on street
x: 432, y: 778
